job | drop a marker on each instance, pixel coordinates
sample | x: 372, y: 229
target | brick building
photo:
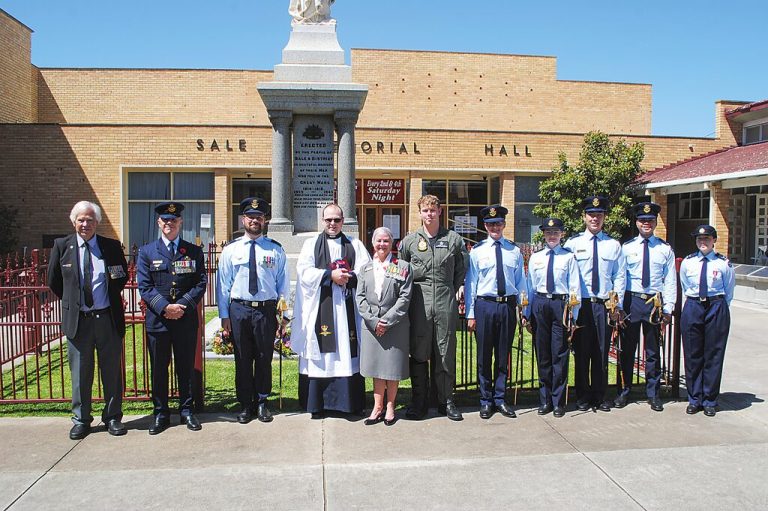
x: 470, y: 128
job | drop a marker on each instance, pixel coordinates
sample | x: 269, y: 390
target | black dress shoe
x: 620, y: 401
x: 605, y: 406
x: 656, y: 404
x: 710, y: 411
x: 486, y: 411
x: 263, y: 413
x: 79, y: 431
x: 506, y: 410
x: 583, y: 406
x: 415, y: 414
x: 159, y: 426
x: 452, y: 411
x: 389, y: 422
x: 559, y: 411
x: 116, y: 428
x: 245, y: 416
x: 544, y: 409
x: 192, y: 422
x: 318, y: 415
x: 375, y: 420
x: 692, y: 409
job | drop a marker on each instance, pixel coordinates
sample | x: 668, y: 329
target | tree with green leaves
x: 605, y: 168
x: 9, y: 228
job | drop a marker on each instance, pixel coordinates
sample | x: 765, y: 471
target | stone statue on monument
x: 311, y: 11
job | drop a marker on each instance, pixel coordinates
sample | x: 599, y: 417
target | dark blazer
x: 64, y: 280
x: 160, y: 283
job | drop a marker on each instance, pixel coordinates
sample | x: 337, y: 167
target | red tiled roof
x: 723, y: 161
x: 749, y: 107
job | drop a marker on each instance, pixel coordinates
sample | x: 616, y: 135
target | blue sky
x: 692, y: 52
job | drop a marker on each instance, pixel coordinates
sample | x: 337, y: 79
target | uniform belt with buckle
x: 256, y: 305
x: 709, y: 299
x: 644, y: 296
x: 551, y: 296
x: 93, y: 313
x: 500, y: 299
x: 595, y: 299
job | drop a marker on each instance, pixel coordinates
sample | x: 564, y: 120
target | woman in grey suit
x: 383, y: 297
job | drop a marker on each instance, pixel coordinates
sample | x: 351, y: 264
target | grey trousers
x: 96, y: 333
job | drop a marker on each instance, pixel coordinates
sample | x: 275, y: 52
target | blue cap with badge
x: 646, y: 210
x: 552, y: 224
x: 704, y: 230
x: 595, y: 204
x: 494, y: 214
x: 169, y: 210
x: 254, y: 206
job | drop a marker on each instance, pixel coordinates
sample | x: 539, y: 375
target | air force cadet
x: 552, y: 275
x: 252, y: 278
x: 494, y: 280
x: 602, y: 270
x: 707, y: 279
x: 650, y: 271
x: 172, y: 280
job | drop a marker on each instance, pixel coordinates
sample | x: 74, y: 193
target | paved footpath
x: 626, y: 459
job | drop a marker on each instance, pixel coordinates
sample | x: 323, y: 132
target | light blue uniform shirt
x: 566, y: 273
x: 662, y: 266
x: 99, y: 280
x: 721, y: 279
x: 611, y: 264
x: 274, y: 280
x: 481, y: 274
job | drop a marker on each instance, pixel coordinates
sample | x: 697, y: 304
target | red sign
x: 384, y: 191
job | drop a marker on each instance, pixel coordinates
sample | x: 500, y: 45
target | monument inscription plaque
x: 312, y: 170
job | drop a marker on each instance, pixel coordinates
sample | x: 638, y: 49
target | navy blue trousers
x: 705, y: 329
x: 253, y: 331
x: 590, y: 357
x: 496, y: 323
x: 551, y: 350
x: 181, y: 337
x: 639, y: 317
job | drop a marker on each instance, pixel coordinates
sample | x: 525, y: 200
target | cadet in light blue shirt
x: 494, y: 280
x: 650, y: 270
x: 552, y: 276
x: 252, y: 278
x: 707, y: 279
x: 602, y: 269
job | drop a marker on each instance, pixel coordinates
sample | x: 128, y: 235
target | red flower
x: 182, y: 250
x: 394, y: 260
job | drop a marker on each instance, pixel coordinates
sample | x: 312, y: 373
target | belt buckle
x: 703, y: 299
x: 499, y: 299
x: 254, y: 304
x: 549, y: 295
x: 644, y: 296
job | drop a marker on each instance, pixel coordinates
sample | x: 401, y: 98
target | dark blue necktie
x: 703, y: 286
x: 87, y: 276
x: 595, y: 268
x: 501, y: 282
x: 253, y: 276
x: 551, y: 273
x: 646, y: 266
x: 172, y: 248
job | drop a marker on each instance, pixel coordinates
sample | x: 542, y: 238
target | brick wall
x: 720, y: 199
x: 729, y: 133
x: 16, y: 71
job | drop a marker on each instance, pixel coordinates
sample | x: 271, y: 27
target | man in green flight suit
x: 439, y: 261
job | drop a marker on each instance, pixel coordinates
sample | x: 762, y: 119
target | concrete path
x: 626, y: 459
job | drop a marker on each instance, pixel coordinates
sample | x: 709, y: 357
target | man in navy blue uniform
x: 494, y: 280
x: 707, y: 279
x: 172, y: 280
x: 252, y: 278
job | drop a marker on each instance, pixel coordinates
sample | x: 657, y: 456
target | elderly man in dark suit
x: 88, y: 272
x: 171, y: 277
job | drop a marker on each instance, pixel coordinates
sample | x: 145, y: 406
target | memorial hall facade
x: 472, y: 129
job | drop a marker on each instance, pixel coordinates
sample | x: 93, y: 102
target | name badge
x: 441, y: 244
x: 184, y: 266
x: 116, y: 272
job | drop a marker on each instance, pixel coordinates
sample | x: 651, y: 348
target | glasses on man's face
x: 332, y: 220
x: 258, y: 218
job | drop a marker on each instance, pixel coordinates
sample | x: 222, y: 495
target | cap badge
x: 702, y: 230
x: 596, y: 202
x: 492, y: 212
x: 551, y: 222
x: 647, y: 208
x: 255, y: 204
x: 171, y: 208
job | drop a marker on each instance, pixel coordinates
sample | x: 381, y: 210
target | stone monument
x: 311, y: 98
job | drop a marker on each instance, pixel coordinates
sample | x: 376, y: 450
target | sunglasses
x: 332, y: 220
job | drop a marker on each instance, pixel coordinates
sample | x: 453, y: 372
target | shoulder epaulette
x: 480, y: 242
x: 661, y: 240
x: 720, y: 256
x: 273, y: 241
x: 629, y: 241
x: 567, y: 250
x: 691, y: 256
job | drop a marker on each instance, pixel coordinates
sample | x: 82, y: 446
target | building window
x: 147, y: 189
x: 244, y: 188
x: 693, y: 206
x: 526, y: 198
x: 462, y: 201
x: 756, y: 133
